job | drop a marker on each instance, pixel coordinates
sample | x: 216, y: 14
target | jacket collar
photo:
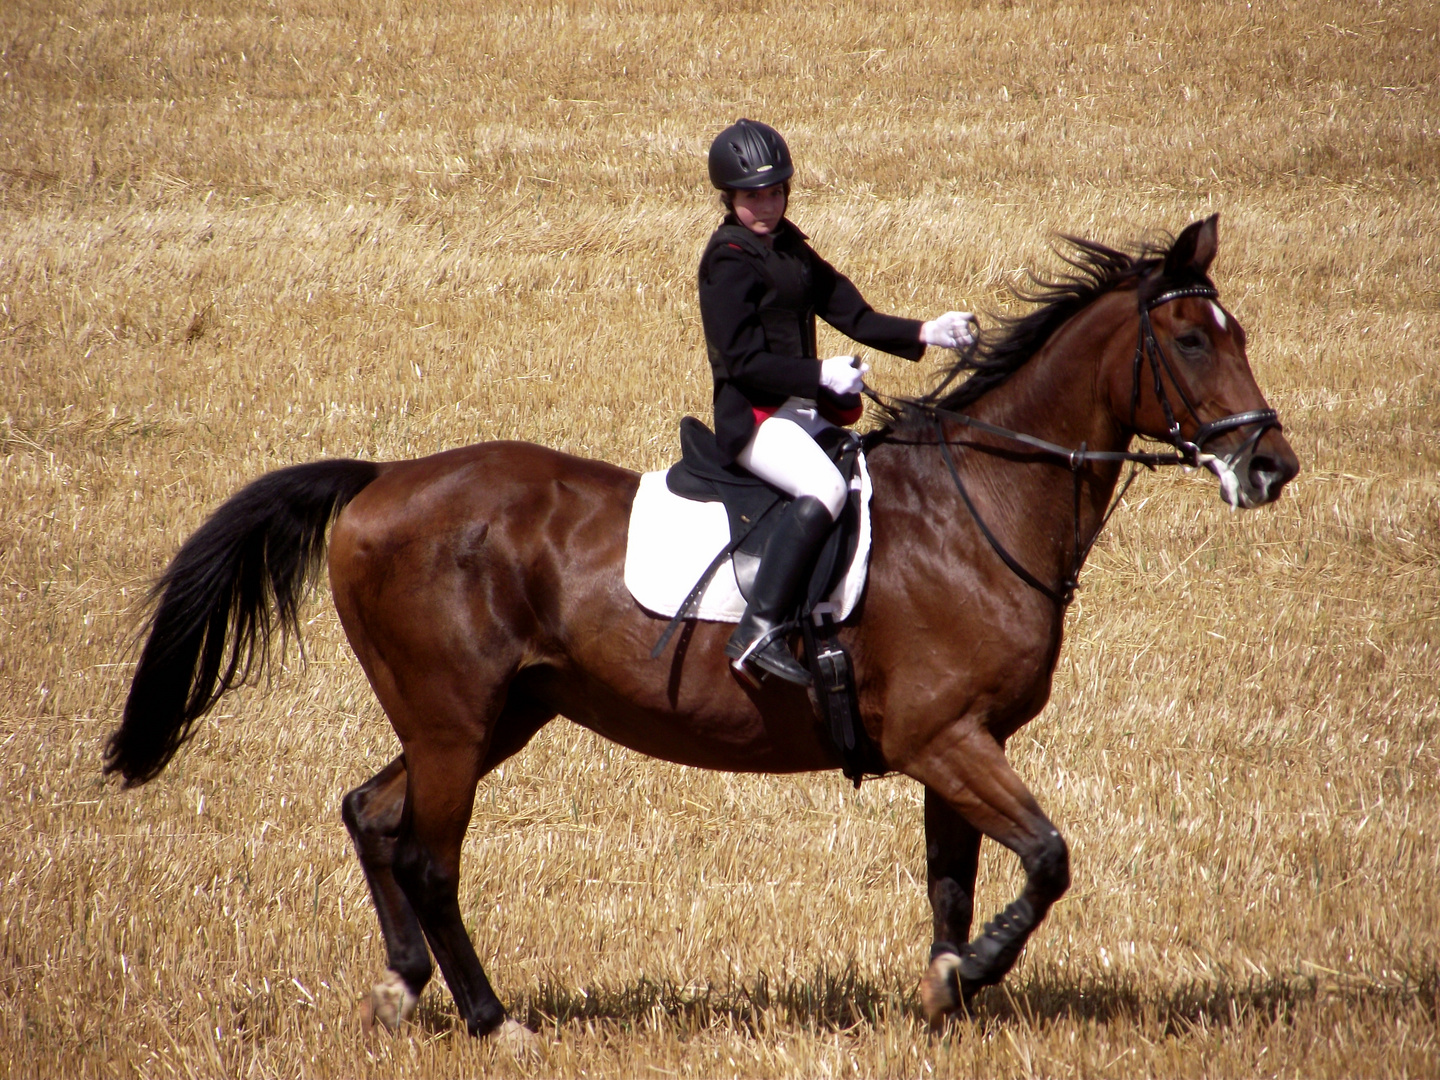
x: 785, y: 236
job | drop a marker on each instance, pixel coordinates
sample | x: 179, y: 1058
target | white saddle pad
x: 673, y: 540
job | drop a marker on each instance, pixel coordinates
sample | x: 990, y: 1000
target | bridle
x: 1189, y: 452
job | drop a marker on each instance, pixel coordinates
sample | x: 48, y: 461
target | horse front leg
x: 372, y: 815
x: 965, y: 773
x: 952, y: 857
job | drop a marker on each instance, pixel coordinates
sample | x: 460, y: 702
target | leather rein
x: 1189, y: 452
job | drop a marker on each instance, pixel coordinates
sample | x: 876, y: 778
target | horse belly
x: 705, y: 718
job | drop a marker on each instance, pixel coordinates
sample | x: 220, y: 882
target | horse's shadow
x: 831, y: 1000
x: 1223, y: 1002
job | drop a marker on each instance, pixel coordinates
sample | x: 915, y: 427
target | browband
x: 1207, y: 291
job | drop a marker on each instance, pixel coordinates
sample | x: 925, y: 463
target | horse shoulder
x: 944, y: 615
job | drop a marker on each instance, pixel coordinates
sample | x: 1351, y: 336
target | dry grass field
x: 234, y: 236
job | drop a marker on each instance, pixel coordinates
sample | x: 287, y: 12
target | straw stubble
x: 236, y: 237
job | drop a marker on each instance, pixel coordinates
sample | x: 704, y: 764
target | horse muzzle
x: 1257, y: 473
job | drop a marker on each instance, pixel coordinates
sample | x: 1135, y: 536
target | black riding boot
x: 784, y: 570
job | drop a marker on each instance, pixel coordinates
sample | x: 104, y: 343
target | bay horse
x: 481, y: 590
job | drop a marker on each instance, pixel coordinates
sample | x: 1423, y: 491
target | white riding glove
x: 953, y: 330
x: 843, y: 374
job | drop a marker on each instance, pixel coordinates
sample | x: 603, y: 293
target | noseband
x: 1189, y: 452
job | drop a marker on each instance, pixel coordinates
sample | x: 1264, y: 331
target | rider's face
x: 761, y: 211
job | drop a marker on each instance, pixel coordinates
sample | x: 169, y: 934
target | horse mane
x: 1012, y: 340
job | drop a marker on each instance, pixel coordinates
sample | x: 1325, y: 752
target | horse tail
x: 241, y: 576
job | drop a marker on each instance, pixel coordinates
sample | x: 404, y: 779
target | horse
x: 481, y: 591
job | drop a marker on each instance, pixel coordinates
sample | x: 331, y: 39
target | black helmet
x: 749, y: 155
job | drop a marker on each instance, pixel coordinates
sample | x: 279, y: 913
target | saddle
x: 752, y: 505
x: 753, y: 508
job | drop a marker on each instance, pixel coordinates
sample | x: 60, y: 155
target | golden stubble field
x: 235, y: 236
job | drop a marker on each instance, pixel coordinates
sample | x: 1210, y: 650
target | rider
x: 761, y: 287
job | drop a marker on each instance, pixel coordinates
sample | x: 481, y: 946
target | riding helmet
x: 749, y: 155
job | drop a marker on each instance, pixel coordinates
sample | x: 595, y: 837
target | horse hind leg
x: 439, y: 799
x: 444, y: 762
x: 381, y: 817
x: 372, y: 814
x: 968, y: 771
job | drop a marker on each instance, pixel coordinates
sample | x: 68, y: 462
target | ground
x: 234, y: 237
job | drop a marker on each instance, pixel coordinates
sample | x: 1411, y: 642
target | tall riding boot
x: 784, y: 570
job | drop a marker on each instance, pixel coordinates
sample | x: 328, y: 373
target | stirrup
x: 748, y: 677
x: 759, y: 641
x: 784, y: 666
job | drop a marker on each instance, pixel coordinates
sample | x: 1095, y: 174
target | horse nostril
x: 1267, y: 476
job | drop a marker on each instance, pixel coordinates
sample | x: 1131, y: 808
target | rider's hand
x: 843, y: 374
x: 953, y: 330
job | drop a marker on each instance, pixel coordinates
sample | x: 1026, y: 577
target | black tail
x: 242, y: 575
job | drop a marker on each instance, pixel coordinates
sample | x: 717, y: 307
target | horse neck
x: 1061, y: 395
x: 1064, y: 393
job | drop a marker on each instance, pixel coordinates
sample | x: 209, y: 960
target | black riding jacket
x: 758, y: 304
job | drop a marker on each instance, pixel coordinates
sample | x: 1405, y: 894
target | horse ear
x: 1194, y: 249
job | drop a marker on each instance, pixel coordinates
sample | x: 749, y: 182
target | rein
x: 1188, y: 452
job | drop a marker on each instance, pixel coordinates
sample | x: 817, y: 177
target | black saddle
x: 752, y: 505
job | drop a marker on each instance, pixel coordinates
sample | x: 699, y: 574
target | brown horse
x: 481, y: 590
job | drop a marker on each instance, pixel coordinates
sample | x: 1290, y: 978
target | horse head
x: 1190, y: 384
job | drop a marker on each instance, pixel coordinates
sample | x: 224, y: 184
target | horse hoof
x: 390, y: 1004
x: 940, y: 988
x: 517, y: 1040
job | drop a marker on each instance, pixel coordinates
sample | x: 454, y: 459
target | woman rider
x: 761, y: 287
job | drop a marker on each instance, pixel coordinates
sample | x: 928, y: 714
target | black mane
x: 1013, y: 339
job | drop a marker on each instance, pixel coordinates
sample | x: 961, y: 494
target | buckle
x: 833, y: 665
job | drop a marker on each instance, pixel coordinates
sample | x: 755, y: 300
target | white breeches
x: 783, y: 452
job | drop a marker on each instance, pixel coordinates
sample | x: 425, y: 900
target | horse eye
x: 1193, y: 341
